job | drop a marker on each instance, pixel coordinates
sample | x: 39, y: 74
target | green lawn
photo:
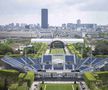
x: 59, y: 87
x: 57, y: 51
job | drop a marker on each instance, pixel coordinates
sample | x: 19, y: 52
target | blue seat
x: 58, y: 67
x: 13, y: 62
x: 47, y: 59
x: 89, y: 61
x: 48, y: 66
x: 69, y: 59
x: 37, y: 60
x: 67, y: 66
x: 26, y: 59
x: 83, y: 67
x: 37, y: 67
x: 96, y: 61
x: 20, y: 60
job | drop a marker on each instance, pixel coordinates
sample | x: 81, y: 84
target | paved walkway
x: 47, y: 51
x: 35, y: 86
x: 67, y: 51
x: 83, y: 86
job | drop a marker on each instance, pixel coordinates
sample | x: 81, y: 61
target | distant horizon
x: 59, y: 11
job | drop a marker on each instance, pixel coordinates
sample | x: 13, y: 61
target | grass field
x: 59, y: 87
x: 57, y: 51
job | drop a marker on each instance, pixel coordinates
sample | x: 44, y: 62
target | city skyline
x: 60, y: 11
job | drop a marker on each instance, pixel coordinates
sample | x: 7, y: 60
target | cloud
x: 95, y: 5
x: 60, y: 11
x: 74, y: 2
x: 30, y: 6
x: 11, y: 7
x: 19, y: 7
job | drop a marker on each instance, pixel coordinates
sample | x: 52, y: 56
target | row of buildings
x: 45, y: 24
x: 67, y: 30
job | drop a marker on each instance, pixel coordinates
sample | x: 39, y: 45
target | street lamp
x: 91, y: 50
x: 27, y: 46
x: 25, y: 51
x: 82, y: 51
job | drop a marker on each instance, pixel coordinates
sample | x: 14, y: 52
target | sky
x: 59, y: 11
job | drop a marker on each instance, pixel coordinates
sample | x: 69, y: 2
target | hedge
x: 89, y: 76
x: 73, y: 50
x: 21, y: 76
x: 11, y: 55
x: 7, y: 73
x: 17, y: 87
x: 23, y: 80
x: 23, y: 87
x: 1, y: 56
x: 97, y: 80
x: 29, y: 78
x: 101, y: 56
x: 13, y: 86
x: 1, y: 85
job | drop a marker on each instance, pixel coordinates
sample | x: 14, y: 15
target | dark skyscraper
x: 44, y: 18
x: 78, y: 22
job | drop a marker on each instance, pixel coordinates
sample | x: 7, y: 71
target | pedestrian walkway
x: 67, y: 51
x: 35, y: 85
x: 47, y: 51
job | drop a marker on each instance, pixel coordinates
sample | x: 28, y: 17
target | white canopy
x: 74, y: 40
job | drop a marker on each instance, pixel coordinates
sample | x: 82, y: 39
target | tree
x: 28, y: 50
x: 41, y: 88
x: 5, y: 84
x: 101, y: 48
x: 42, y: 81
x: 86, y: 50
x: 5, y: 49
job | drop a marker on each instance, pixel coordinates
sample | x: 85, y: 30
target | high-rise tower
x: 44, y: 18
x: 78, y: 22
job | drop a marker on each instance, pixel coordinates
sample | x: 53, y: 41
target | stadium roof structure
x: 65, y: 41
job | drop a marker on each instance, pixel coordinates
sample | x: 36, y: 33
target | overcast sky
x: 60, y: 11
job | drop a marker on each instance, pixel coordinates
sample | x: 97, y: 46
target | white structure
x: 65, y: 41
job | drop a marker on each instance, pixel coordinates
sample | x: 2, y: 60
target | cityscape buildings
x: 66, y: 30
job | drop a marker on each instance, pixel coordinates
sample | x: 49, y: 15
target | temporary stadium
x: 56, y: 64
